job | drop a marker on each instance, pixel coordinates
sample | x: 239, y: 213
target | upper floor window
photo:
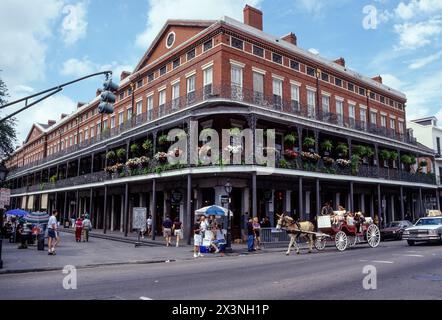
x: 361, y: 91
x: 139, y: 107
x: 163, y: 70
x: 149, y: 108
x: 151, y: 77
x: 277, y: 92
x: 258, y: 87
x: 392, y: 124
x: 139, y: 83
x: 208, y: 45
x: 191, y: 54
x: 338, y: 82
x: 236, y: 43
x: 351, y: 112
x: 120, y: 118
x: 236, y: 76
x: 294, y: 91
x: 324, y: 77
x: 382, y: 99
x: 191, y: 89
x: 372, y: 95
x: 438, y: 145
x: 129, y: 91
x: 258, y: 51
x: 373, y: 117
x: 112, y: 123
x: 175, y: 93
x: 325, y: 105
x: 277, y: 58
x: 162, y: 97
x: 294, y: 65
x: 208, y: 80
x: 383, y: 120
x: 311, y: 103
x: 391, y: 103
x: 176, y: 63
x: 401, y: 127
x: 121, y: 95
x: 311, y: 71
x: 363, y: 117
x: 350, y: 86
x: 129, y: 114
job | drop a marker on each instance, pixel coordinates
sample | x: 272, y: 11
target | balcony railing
x: 233, y: 93
x: 320, y: 166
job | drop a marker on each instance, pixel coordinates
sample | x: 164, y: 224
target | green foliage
x: 162, y: 140
x: 121, y: 154
x: 385, y: 154
x: 363, y: 151
x: 309, y: 142
x: 8, y: 134
x: 147, y: 145
x: 290, y: 139
x: 355, y: 162
x: 135, y: 149
x: 423, y: 163
x: 283, y: 164
x: 394, y: 155
x: 342, y: 148
x: 327, y: 145
x: 408, y: 159
x: 110, y: 155
x: 53, y: 179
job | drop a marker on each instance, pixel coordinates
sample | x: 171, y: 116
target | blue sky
x: 47, y: 42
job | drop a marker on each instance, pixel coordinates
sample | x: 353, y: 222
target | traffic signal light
x: 108, y: 97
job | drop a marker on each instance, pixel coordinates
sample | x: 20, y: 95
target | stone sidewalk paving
x: 96, y: 252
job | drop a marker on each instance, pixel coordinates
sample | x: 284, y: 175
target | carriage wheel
x: 320, y: 243
x: 351, y: 241
x: 341, y: 241
x: 373, y: 236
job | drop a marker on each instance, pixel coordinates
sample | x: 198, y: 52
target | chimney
x: 253, y: 17
x: 377, y: 79
x: 124, y: 75
x: 340, y: 61
x: 80, y: 104
x: 51, y: 122
x: 99, y: 91
x: 63, y: 115
x: 291, y: 38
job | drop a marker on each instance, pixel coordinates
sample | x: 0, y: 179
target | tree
x: 8, y: 135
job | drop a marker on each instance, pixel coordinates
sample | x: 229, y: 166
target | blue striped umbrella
x: 16, y: 212
x: 37, y: 217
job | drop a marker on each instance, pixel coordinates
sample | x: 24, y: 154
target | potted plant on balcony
x: 393, y: 157
x: 328, y: 161
x: 135, y: 149
x: 144, y: 162
x: 161, y: 157
x: 343, y: 163
x: 355, y: 162
x: 111, y: 157
x: 327, y: 147
x: 121, y: 154
x: 290, y: 140
x: 162, y: 140
x: 147, y: 146
x: 342, y: 149
x: 309, y: 143
x: 235, y: 132
x: 385, y: 155
x: 53, y: 179
x: 290, y: 154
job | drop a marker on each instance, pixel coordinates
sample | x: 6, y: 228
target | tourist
x: 250, y: 236
x: 87, y: 227
x: 78, y: 229
x: 204, y: 225
x: 52, y: 233
x: 327, y: 210
x: 197, y: 240
x: 149, y: 225
x: 257, y: 229
x: 177, y: 230
x: 167, y: 230
x: 266, y: 223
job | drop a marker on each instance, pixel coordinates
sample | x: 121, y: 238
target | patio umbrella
x: 37, y: 217
x: 213, y: 210
x: 16, y: 212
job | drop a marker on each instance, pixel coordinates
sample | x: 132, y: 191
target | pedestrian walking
x: 197, y: 240
x: 204, y: 225
x: 257, y: 229
x: 149, y: 225
x: 177, y: 230
x: 78, y: 229
x: 87, y: 227
x: 73, y: 219
x: 250, y: 236
x: 167, y: 230
x: 52, y: 233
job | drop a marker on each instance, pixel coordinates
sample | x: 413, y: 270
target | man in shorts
x: 197, y: 240
x: 53, y: 238
x: 167, y: 230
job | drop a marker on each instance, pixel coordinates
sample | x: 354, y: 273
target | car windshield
x: 429, y: 222
x: 393, y: 225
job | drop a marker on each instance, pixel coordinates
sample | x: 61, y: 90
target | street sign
x: 139, y: 218
x: 224, y: 199
x: 5, y: 197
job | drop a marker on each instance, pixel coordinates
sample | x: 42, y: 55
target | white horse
x: 296, y: 230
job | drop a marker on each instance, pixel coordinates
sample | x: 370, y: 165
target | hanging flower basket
x: 343, y: 163
x: 161, y: 157
x: 328, y: 161
x: 290, y: 154
x: 310, y: 156
x: 133, y: 164
x: 144, y: 161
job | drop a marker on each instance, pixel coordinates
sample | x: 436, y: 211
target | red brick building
x: 227, y: 74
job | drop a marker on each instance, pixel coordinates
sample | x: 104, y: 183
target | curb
x: 88, y: 266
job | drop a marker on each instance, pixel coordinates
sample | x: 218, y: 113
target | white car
x: 425, y: 229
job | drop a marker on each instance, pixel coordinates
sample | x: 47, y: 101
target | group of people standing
x: 254, y: 233
x: 82, y: 226
x: 174, y: 228
x: 208, y: 232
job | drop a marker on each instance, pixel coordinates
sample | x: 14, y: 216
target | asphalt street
x: 402, y: 272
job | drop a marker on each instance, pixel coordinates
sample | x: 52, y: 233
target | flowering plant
x: 144, y: 161
x: 117, y: 168
x: 290, y: 154
x: 328, y: 160
x: 310, y: 156
x: 161, y: 156
x: 133, y: 163
x: 343, y: 162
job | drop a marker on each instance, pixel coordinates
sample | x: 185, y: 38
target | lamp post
x: 3, y: 172
x: 228, y: 188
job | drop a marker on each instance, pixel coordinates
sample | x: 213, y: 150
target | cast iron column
x: 126, y: 209
x: 254, y: 196
x: 189, y: 221
x: 379, y: 204
x: 318, y: 198
x: 352, y: 199
x: 300, y: 204
x: 105, y: 210
x: 154, y: 206
x: 402, y: 204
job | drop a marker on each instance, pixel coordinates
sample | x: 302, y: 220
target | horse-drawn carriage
x: 345, y: 230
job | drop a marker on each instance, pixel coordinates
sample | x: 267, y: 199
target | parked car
x: 394, y: 229
x: 428, y: 229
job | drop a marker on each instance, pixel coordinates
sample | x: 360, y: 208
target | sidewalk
x: 97, y: 252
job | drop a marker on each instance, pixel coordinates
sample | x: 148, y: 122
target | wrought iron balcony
x: 231, y: 93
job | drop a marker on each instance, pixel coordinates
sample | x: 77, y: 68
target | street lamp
x: 3, y: 173
x: 228, y: 188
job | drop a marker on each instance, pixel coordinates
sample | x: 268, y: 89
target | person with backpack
x: 167, y: 230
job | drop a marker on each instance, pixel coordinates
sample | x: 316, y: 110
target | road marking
x: 377, y: 261
x: 408, y: 255
x: 145, y: 298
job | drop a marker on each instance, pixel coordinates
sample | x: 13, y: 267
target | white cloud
x: 413, y: 8
x: 422, y: 62
x: 392, y: 81
x: 314, y: 51
x: 160, y: 11
x: 74, y: 25
x: 25, y: 25
x: 416, y: 35
x: 78, y: 68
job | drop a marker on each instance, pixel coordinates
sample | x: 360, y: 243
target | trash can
x: 41, y: 242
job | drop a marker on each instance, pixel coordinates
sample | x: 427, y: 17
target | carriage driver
x: 327, y: 210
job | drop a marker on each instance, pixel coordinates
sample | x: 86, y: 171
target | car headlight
x: 433, y: 231
x: 406, y: 232
x: 394, y: 231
